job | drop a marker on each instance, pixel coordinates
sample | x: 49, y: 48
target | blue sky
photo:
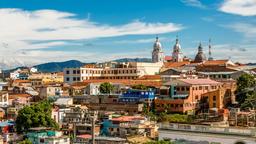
x: 36, y: 31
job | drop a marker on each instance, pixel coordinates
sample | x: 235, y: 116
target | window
x: 74, y: 71
x: 67, y: 71
x: 214, y: 98
x: 67, y: 79
x: 78, y: 71
x: 78, y: 78
x: 214, y: 104
x: 74, y: 78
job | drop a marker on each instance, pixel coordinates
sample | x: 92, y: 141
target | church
x: 177, y: 55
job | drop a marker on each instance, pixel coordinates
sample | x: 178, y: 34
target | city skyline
x: 40, y: 31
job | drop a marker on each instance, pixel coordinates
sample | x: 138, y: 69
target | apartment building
x: 132, y: 70
x: 184, y: 95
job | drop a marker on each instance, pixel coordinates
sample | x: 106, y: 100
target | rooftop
x: 128, y: 118
x: 200, y: 81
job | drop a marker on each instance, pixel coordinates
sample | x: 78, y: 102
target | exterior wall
x: 130, y: 108
x: 135, y: 70
x: 47, y: 77
x: 185, y: 103
x: 50, y: 91
x: 215, y: 99
x: 4, y: 97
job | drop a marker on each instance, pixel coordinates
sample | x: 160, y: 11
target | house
x: 123, y: 126
x: 43, y: 135
x: 4, y: 97
x: 64, y: 101
x: 20, y: 99
x: 184, y: 95
x: 50, y: 91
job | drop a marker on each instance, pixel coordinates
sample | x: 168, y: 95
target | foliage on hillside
x: 246, y: 94
x: 37, y: 115
x: 106, y: 88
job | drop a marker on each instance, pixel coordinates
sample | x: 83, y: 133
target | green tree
x: 250, y: 101
x: 140, y: 87
x: 245, y: 85
x: 106, y: 88
x: 37, y: 115
x: 26, y: 141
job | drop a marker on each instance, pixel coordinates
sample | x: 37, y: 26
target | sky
x: 38, y: 31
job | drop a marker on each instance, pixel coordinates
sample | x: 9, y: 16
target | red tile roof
x: 168, y: 58
x: 216, y: 62
x: 128, y: 118
x: 175, y: 64
x: 21, y: 81
x: 200, y: 81
x: 150, y: 77
x: 85, y: 136
x: 127, y: 82
x: 23, y: 95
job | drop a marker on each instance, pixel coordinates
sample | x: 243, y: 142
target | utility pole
x: 94, y: 117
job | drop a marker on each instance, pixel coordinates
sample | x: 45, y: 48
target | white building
x: 33, y: 70
x: 131, y: 70
x: 4, y: 97
x: 15, y: 75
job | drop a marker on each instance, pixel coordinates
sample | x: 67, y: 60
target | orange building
x: 184, y: 95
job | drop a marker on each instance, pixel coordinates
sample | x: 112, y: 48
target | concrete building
x: 50, y: 91
x: 184, y: 95
x: 4, y: 97
x: 45, y: 136
x: 131, y: 70
x: 129, y: 125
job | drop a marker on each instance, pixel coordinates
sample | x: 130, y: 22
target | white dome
x: 157, y: 44
x: 176, y: 47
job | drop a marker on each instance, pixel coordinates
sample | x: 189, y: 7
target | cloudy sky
x: 37, y: 31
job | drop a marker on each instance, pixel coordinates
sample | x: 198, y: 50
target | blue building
x: 137, y: 96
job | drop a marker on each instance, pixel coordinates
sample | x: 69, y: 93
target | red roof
x: 128, y: 118
x: 14, y: 96
x: 127, y: 82
x: 150, y: 77
x: 216, y: 62
x: 85, y: 136
x: 200, y: 81
x: 168, y: 58
x: 175, y: 64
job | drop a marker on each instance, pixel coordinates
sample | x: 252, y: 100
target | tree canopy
x: 106, y: 88
x: 37, y: 115
x: 245, y: 87
x: 140, y: 87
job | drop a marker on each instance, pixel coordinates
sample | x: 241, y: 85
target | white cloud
x: 21, y: 30
x: 19, y: 26
x: 247, y: 29
x: 194, y: 3
x: 239, y: 7
x: 138, y: 41
x: 236, y: 52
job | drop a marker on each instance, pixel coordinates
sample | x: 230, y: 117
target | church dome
x: 200, y: 56
x: 177, y: 47
x: 157, y: 44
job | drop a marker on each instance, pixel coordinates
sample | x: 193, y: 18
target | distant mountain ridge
x: 133, y: 60
x: 59, y: 66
